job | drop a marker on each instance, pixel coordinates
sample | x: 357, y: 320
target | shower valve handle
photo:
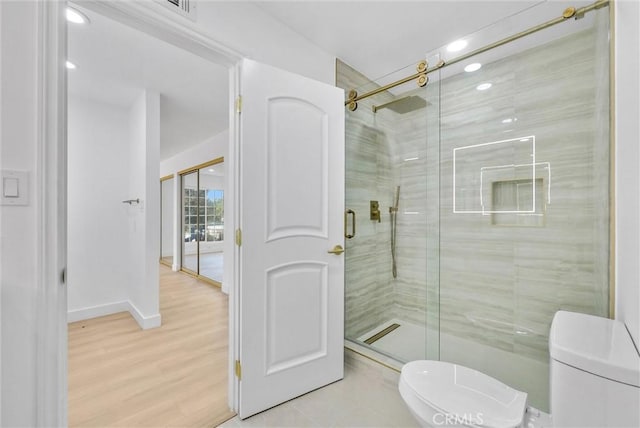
x: 374, y: 211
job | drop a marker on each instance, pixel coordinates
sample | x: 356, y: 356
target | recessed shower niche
x: 513, y: 200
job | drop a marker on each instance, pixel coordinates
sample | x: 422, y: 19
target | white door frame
x: 157, y: 21
x: 51, y: 147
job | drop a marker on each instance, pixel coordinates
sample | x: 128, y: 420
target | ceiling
x: 116, y: 62
x: 379, y: 37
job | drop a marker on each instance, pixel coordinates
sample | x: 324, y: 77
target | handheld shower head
x: 397, y: 198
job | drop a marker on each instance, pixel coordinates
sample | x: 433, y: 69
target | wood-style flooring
x: 174, y: 375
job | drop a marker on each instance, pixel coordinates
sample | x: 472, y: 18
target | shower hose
x: 393, y: 215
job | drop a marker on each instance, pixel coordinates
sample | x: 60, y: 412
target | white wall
x: 18, y: 241
x: 144, y: 218
x: 98, y: 227
x: 1, y: 24
x: 113, y: 155
x: 627, y: 39
x: 252, y: 32
x: 210, y: 149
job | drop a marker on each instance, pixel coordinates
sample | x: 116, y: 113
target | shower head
x: 403, y: 105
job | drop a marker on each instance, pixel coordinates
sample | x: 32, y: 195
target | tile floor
x: 367, y: 397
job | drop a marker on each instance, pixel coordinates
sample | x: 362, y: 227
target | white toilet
x: 595, y: 382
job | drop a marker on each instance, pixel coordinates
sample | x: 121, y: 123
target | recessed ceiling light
x: 483, y: 86
x: 456, y: 46
x: 75, y: 16
x: 473, y: 67
x: 507, y: 120
x: 212, y: 170
x: 70, y: 65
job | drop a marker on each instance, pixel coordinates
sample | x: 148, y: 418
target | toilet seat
x: 466, y: 396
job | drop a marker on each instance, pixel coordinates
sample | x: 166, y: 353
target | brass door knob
x: 337, y: 250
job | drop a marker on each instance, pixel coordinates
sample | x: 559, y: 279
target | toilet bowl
x: 445, y: 394
x: 594, y: 378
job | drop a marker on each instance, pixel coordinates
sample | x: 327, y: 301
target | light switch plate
x: 15, y: 188
x: 10, y: 187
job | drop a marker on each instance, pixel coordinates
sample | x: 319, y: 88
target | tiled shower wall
x: 385, y: 150
x: 501, y: 285
x: 368, y: 177
x: 526, y: 274
x: 498, y: 284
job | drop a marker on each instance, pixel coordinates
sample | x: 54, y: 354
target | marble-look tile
x: 285, y: 415
x: 367, y: 397
x: 369, y: 157
x: 536, y: 271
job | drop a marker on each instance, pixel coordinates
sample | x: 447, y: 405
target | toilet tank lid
x: 596, y: 345
x: 465, y: 394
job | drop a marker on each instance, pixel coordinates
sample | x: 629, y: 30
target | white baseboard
x: 145, y: 323
x: 98, y: 311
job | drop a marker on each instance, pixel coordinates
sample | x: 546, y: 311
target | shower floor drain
x: 379, y: 335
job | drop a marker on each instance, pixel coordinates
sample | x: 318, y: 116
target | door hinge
x: 239, y: 104
x: 238, y: 237
x: 63, y: 276
x: 238, y: 370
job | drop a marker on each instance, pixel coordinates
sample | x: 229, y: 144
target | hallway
x: 175, y: 375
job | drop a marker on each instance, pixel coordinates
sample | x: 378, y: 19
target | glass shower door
x: 503, y: 165
x: 387, y: 298
x: 523, y: 199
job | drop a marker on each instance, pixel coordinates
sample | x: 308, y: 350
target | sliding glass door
x: 203, y: 220
x: 167, y: 220
x: 190, y: 222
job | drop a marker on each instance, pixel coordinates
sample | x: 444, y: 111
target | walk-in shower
x: 498, y: 184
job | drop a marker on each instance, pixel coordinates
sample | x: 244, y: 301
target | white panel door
x: 292, y: 201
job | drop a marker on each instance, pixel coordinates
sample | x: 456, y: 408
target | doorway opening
x: 139, y: 106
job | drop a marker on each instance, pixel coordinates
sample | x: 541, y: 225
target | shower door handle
x: 353, y: 223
